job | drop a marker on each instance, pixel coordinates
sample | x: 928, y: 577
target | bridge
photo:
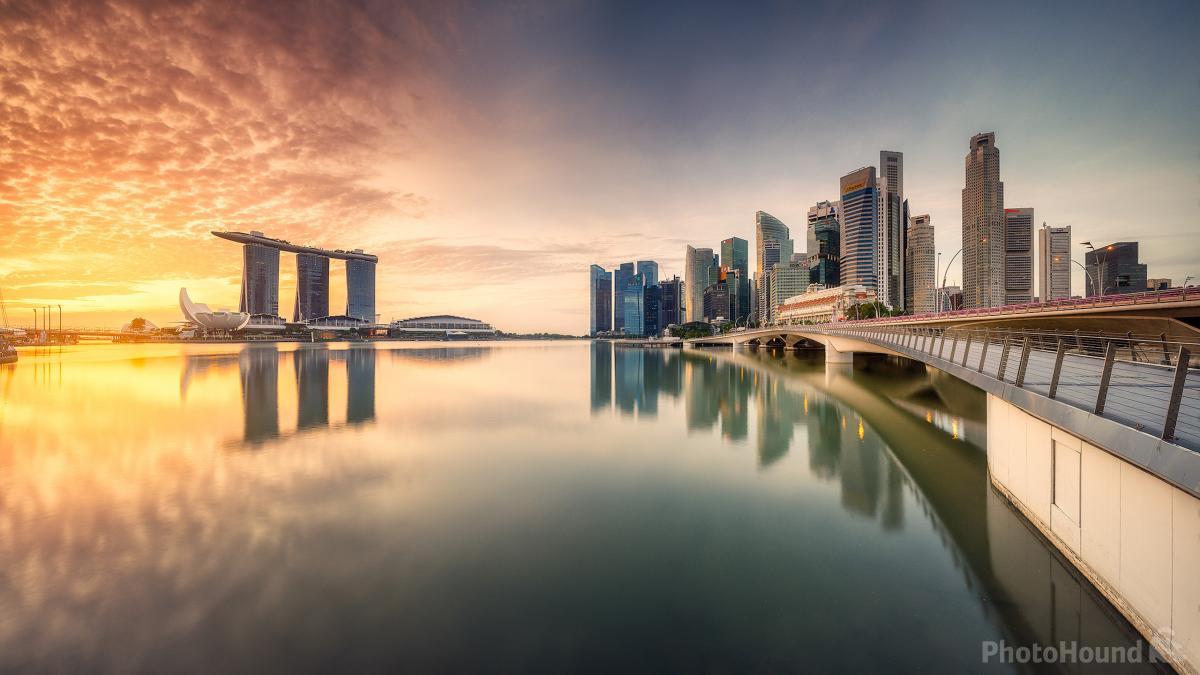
x: 1093, y: 436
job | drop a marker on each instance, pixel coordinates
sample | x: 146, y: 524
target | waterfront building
x: 735, y: 254
x: 786, y: 281
x: 633, y: 307
x: 1018, y: 256
x: 983, y: 225
x: 601, y: 297
x: 1054, y: 262
x: 1158, y: 284
x: 312, y: 287
x: 649, y: 271
x: 772, y: 245
x: 1115, y: 269
x: 441, y: 326
x: 824, y: 243
x: 621, y: 277
x: 716, y: 302
x: 360, y: 289
x: 697, y: 270
x: 824, y: 305
x: 893, y: 228
x: 671, y: 303
x: 652, y: 310
x: 260, y: 279
x: 920, y: 262
x: 859, y: 192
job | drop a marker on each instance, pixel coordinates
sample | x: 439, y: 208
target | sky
x: 489, y: 152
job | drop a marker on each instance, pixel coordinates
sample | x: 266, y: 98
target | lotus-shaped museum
x: 201, y: 315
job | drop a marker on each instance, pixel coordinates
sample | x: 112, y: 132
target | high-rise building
x: 621, y: 277
x: 1115, y: 269
x: 716, y: 302
x: 786, y: 280
x: 649, y: 271
x: 735, y: 254
x: 1018, y: 256
x: 260, y: 279
x: 824, y: 244
x: 1158, y: 284
x: 671, y: 304
x: 983, y: 225
x: 697, y: 264
x: 312, y: 287
x: 860, y: 228
x: 652, y: 310
x: 772, y: 245
x: 1054, y: 263
x: 893, y: 230
x: 600, y: 307
x: 633, y: 305
x: 360, y: 289
x: 920, y: 267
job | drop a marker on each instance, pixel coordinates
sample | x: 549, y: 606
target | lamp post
x: 942, y: 288
x: 1100, y: 260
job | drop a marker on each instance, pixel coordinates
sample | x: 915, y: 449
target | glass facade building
x: 671, y: 304
x: 312, y: 287
x: 633, y: 307
x: 649, y: 271
x: 735, y: 254
x: 772, y: 245
x: 652, y: 310
x: 260, y: 280
x: 697, y: 272
x: 824, y: 244
x: 360, y: 290
x: 860, y: 228
x: 892, y: 210
x: 600, y: 307
x: 1115, y: 269
x: 621, y: 277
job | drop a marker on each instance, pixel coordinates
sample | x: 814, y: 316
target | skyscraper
x: 649, y: 271
x: 894, y: 228
x: 600, y: 310
x: 920, y: 263
x: 1018, y: 256
x: 621, y: 277
x: 786, y: 280
x: 735, y: 254
x: 824, y: 243
x: 633, y: 307
x: 772, y: 245
x: 1115, y: 269
x: 360, y: 289
x: 260, y: 279
x: 1054, y: 263
x: 652, y: 310
x: 860, y: 228
x: 983, y: 225
x: 312, y: 287
x: 697, y: 265
x: 671, y: 307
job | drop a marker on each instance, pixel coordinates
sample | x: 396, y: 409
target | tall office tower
x: 260, y: 279
x: 717, y: 301
x: 671, y: 304
x: 312, y: 287
x: 894, y: 228
x: 772, y: 245
x: 696, y: 272
x: 621, y: 277
x: 652, y: 310
x: 983, y: 225
x: 786, y: 281
x: 1115, y: 269
x: 649, y: 271
x: 633, y: 307
x: 360, y: 289
x: 824, y: 243
x: 860, y: 228
x: 1018, y: 256
x: 739, y: 294
x: 920, y: 267
x: 600, y: 307
x: 1054, y: 262
x: 735, y: 254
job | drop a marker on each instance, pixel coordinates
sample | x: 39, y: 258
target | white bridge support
x: 1134, y: 535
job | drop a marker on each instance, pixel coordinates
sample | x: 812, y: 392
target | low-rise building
x: 823, y: 305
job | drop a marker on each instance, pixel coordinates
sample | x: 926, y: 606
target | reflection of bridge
x: 1093, y: 437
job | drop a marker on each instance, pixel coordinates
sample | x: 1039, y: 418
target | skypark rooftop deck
x: 283, y: 245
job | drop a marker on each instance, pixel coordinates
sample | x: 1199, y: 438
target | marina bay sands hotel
x: 260, y: 278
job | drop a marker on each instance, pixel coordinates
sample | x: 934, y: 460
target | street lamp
x: 1100, y: 260
x: 942, y: 288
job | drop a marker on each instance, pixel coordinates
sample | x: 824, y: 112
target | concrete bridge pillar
x: 834, y: 356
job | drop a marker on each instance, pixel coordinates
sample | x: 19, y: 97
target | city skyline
x: 486, y: 169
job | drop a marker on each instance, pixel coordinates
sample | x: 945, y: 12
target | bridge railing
x: 1077, y: 367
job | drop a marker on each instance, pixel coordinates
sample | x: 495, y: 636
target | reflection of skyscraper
x: 360, y: 379
x: 260, y: 280
x: 259, y: 370
x: 602, y: 374
x: 629, y: 373
x: 312, y: 387
x: 312, y: 287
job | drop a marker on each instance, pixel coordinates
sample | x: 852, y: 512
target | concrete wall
x: 1135, y: 536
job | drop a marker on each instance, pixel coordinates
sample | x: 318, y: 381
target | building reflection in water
x: 259, y: 369
x: 360, y: 378
x: 887, y: 433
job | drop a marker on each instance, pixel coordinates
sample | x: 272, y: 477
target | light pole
x: 942, y: 288
x: 1100, y: 260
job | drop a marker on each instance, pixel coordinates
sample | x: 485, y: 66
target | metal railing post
x: 1183, y: 359
x: 953, y: 348
x: 1110, y: 354
x: 966, y: 350
x: 1024, y: 362
x: 942, y: 344
x: 1166, y: 356
x: 1058, y: 361
x: 987, y: 340
x: 1003, y: 358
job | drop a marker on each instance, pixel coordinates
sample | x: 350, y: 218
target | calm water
x: 544, y: 507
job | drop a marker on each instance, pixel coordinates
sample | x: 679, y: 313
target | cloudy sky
x: 488, y: 152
